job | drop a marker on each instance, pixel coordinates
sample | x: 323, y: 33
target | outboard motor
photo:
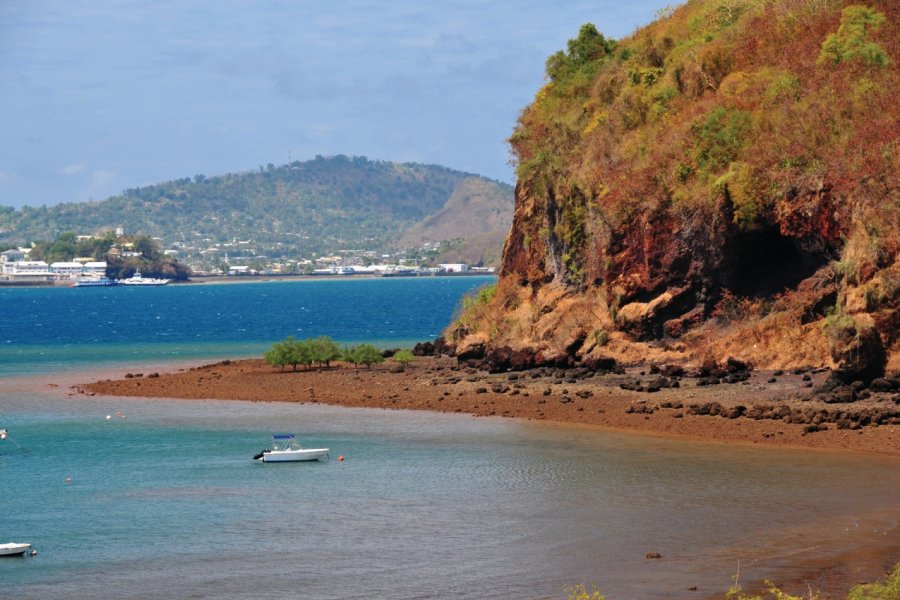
x: 260, y: 455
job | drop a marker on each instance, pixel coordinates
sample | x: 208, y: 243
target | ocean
x: 140, y: 498
x: 46, y: 329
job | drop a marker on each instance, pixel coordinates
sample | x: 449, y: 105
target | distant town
x: 234, y: 259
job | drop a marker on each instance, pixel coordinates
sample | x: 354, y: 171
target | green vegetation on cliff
x: 721, y: 98
x: 732, y: 148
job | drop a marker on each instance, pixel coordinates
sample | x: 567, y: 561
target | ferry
x: 94, y: 282
x: 138, y: 279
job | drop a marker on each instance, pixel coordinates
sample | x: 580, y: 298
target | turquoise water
x: 162, y: 499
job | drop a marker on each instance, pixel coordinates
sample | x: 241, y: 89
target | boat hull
x: 89, y: 282
x: 305, y: 454
x: 14, y: 549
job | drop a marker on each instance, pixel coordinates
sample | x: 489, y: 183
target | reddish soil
x: 439, y: 384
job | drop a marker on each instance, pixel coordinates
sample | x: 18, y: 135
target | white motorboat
x: 138, y: 279
x: 285, y: 448
x: 13, y: 549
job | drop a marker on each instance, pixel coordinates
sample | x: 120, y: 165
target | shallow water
x: 163, y: 500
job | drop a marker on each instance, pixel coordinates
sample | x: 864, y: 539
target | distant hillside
x: 478, y: 212
x: 297, y: 210
x: 475, y: 206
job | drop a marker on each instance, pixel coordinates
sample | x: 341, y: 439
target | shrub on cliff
x: 853, y: 39
x: 475, y: 306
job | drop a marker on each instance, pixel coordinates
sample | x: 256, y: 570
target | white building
x: 66, y: 270
x: 94, y: 269
x: 27, y: 270
x: 454, y: 268
x: 38, y: 270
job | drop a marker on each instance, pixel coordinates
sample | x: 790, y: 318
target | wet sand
x: 440, y: 384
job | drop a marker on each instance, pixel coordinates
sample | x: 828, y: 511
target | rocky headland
x: 715, y: 185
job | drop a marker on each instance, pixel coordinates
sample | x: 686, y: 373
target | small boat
x: 285, y: 448
x: 13, y: 549
x: 138, y: 279
x: 94, y: 282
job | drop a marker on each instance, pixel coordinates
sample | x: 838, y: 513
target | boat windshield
x: 284, y: 441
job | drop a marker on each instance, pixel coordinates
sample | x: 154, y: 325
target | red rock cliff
x: 724, y: 182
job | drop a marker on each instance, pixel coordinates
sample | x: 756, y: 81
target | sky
x: 97, y: 96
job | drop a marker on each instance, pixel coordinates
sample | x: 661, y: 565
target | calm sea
x: 45, y: 329
x: 162, y: 499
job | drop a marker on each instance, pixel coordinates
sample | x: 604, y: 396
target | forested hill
x: 317, y: 206
x: 723, y: 182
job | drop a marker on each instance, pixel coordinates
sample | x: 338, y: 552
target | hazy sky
x: 101, y: 95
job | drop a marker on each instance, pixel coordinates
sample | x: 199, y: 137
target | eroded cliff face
x: 721, y: 222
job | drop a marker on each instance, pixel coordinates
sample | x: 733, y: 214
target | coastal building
x: 12, y: 255
x: 94, y: 269
x: 38, y: 270
x: 454, y: 268
x: 66, y: 270
x: 27, y: 270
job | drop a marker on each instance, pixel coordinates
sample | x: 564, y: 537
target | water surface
x: 162, y: 499
x: 45, y: 329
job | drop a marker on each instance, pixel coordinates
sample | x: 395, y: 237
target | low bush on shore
x: 319, y: 350
x: 887, y: 588
x: 364, y: 354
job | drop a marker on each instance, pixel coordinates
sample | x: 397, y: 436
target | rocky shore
x: 727, y: 402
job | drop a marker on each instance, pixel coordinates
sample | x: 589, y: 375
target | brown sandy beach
x: 757, y: 411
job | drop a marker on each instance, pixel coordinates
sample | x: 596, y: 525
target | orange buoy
x: 341, y: 458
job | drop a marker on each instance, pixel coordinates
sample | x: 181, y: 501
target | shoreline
x: 230, y: 279
x: 442, y: 385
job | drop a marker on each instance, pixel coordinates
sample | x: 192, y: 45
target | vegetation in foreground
x: 887, y: 588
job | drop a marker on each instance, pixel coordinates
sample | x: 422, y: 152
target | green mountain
x: 298, y: 210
